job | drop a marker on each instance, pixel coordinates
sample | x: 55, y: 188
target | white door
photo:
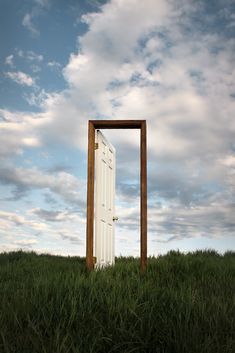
x: 104, y: 202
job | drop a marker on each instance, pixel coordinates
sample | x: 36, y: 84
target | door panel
x: 104, y: 202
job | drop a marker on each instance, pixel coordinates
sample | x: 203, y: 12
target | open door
x: 104, y: 202
x: 104, y: 214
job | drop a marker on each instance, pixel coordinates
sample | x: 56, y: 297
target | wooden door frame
x: 116, y: 124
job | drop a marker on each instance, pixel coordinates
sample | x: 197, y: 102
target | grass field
x: 183, y: 303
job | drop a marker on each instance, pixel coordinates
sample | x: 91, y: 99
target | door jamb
x: 116, y: 124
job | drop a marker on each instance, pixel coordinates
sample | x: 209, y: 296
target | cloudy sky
x: 171, y: 62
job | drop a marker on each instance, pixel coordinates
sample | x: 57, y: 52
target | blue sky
x: 169, y: 62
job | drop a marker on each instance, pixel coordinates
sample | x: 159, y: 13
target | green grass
x: 183, y: 303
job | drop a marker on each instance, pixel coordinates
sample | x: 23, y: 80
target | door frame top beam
x: 117, y: 124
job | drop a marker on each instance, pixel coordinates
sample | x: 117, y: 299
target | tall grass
x: 183, y: 303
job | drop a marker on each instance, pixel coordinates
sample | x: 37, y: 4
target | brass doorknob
x: 115, y: 218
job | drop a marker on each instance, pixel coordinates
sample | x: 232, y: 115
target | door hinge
x: 96, y: 145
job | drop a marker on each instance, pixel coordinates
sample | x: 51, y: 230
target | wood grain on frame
x: 90, y: 196
x: 143, y: 196
x: 117, y: 124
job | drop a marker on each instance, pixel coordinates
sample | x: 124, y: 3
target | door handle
x: 115, y: 218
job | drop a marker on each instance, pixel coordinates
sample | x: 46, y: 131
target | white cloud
x: 24, y: 230
x: 37, y: 98
x: 62, y: 183
x: 9, y: 60
x: 120, y: 18
x: 212, y: 220
x: 9, y: 220
x: 54, y: 64
x: 30, y: 55
x: 27, y: 23
x: 26, y: 242
x: 21, y: 78
x: 57, y: 216
x: 34, y: 60
x: 39, y: 7
x: 17, y: 131
x: 229, y: 161
x: 174, y: 222
x: 30, y: 141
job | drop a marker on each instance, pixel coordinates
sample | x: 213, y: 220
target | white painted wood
x: 104, y: 202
